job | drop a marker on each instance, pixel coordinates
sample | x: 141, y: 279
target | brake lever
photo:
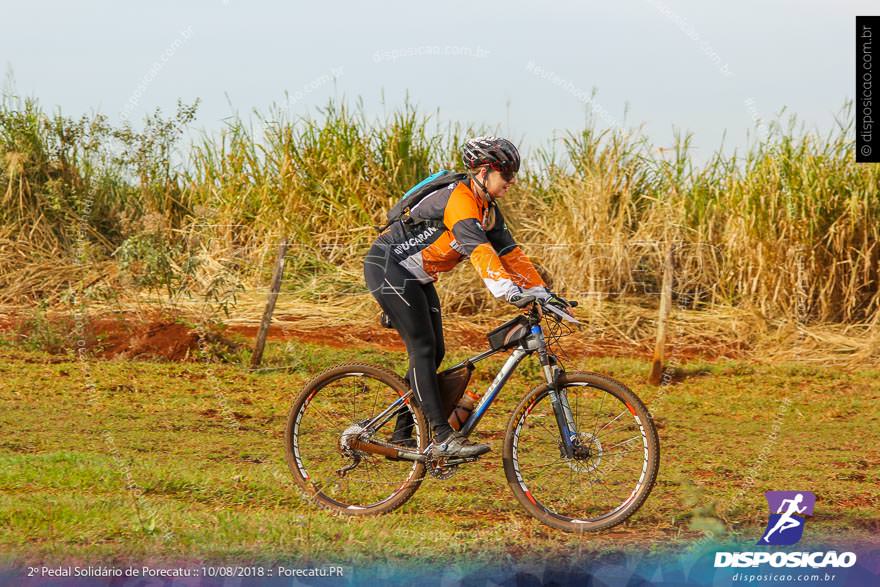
x: 564, y: 315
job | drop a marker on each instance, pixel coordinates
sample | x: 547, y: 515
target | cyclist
x: 449, y: 224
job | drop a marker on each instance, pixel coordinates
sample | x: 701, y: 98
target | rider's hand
x: 559, y: 303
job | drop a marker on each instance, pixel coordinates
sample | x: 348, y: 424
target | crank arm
x: 460, y: 461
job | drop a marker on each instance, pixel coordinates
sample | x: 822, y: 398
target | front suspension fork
x: 559, y: 400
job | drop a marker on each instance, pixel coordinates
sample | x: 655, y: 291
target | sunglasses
x: 506, y: 174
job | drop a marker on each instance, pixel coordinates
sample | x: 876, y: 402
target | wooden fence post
x: 274, y: 288
x: 663, y: 319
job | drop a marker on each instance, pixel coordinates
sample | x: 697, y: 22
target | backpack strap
x: 412, y: 198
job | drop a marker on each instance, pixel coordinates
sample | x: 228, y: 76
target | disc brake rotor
x: 588, y: 453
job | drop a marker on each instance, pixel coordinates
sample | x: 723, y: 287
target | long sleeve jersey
x: 451, y: 224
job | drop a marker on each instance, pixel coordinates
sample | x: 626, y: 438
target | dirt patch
x: 125, y: 336
x: 342, y: 337
x: 132, y: 336
x: 861, y: 500
x: 456, y: 337
x: 473, y: 339
x: 154, y: 340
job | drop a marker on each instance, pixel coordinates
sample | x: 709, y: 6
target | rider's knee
x: 423, y: 350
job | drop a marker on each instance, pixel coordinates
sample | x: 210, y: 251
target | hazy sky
x: 527, y: 67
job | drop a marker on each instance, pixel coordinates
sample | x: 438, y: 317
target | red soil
x: 156, y: 337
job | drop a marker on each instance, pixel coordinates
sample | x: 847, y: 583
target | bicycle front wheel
x: 617, y: 454
x: 319, y: 448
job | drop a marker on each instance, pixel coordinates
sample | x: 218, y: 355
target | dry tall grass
x: 787, y: 231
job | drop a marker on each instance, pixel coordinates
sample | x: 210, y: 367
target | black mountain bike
x: 581, y: 452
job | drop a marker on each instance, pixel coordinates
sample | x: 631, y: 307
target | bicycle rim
x: 330, y: 405
x: 614, y: 470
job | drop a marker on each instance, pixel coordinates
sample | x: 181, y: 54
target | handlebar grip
x: 572, y: 303
x: 523, y: 301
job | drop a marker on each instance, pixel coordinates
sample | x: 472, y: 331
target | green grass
x: 150, y: 464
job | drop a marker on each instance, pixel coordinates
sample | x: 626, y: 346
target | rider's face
x: 495, y: 182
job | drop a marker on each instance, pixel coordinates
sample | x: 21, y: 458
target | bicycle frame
x: 533, y: 343
x: 347, y: 441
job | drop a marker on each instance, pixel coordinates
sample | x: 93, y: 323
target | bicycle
x: 573, y: 462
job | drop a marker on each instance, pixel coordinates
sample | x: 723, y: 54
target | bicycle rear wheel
x: 616, y: 461
x: 319, y: 451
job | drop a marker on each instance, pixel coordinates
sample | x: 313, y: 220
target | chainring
x: 440, y: 470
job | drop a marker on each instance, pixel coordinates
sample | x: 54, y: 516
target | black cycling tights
x: 414, y: 309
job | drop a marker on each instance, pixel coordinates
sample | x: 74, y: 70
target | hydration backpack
x: 417, y: 193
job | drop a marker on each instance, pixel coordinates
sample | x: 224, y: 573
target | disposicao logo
x: 788, y: 511
x: 786, y: 525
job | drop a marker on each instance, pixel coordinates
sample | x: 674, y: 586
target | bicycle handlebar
x: 536, y: 305
x: 526, y: 300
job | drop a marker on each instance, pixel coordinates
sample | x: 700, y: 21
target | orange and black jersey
x: 453, y: 223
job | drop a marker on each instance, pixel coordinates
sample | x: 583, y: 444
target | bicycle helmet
x: 499, y: 154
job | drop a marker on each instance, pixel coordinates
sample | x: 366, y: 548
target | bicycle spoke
x: 596, y: 484
x: 532, y: 481
x: 624, y: 441
x: 625, y: 450
x: 333, y: 408
x: 611, y: 422
x: 552, y: 434
x: 622, y: 426
x: 375, y: 402
x: 326, y: 418
x: 598, y: 415
x: 544, y: 466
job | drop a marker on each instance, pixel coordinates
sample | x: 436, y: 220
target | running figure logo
x: 786, y: 525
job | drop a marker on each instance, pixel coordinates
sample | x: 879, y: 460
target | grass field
x: 172, y: 461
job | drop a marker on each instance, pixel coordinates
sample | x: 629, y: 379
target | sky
x: 527, y: 70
